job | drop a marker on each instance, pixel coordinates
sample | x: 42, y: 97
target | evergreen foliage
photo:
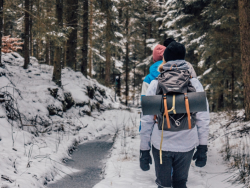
x: 123, y: 33
x: 210, y: 31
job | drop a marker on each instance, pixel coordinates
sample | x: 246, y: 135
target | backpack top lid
x: 176, y: 65
x: 175, y: 78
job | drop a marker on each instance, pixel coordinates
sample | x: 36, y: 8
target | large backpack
x: 172, y: 82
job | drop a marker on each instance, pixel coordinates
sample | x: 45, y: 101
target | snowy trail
x: 89, y: 160
x: 123, y: 169
x: 127, y: 173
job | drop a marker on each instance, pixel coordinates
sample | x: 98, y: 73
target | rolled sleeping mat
x: 153, y: 105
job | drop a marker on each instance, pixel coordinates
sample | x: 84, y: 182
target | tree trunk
x: 244, y: 19
x: 65, y: 54
x: 58, y: 51
x: 90, y: 38
x: 47, y: 47
x: 38, y: 32
x: 145, y: 53
x: 134, y: 92
x: 1, y: 30
x: 57, y: 66
x: 31, y: 34
x: 71, y: 18
x: 108, y: 44
x: 26, y: 33
x: 84, y: 65
x: 232, y: 93
x: 149, y: 27
x: 47, y: 51
x: 127, y: 59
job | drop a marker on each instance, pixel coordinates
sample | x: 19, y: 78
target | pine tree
x: 209, y: 31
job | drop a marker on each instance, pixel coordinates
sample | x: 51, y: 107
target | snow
x: 150, y: 40
x: 33, y: 148
x: 201, y: 63
x: 207, y: 71
x: 216, y: 23
x: 198, y: 40
x: 117, y: 34
x: 173, y: 33
x: 152, y: 45
x: 32, y: 155
x: 207, y: 87
x: 123, y: 170
x: 146, y: 61
x: 158, y: 19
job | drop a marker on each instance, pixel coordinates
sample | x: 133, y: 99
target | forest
x: 72, y: 71
x: 112, y: 41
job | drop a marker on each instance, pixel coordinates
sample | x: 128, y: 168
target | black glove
x: 145, y: 160
x: 200, y: 156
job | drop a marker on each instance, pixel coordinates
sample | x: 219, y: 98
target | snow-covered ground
x: 123, y: 171
x: 40, y: 124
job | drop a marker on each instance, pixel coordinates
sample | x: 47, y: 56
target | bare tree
x: 84, y: 65
x: 244, y: 19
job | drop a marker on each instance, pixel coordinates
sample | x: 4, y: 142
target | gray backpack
x: 172, y: 82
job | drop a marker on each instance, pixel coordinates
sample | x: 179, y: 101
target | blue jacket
x: 153, y: 73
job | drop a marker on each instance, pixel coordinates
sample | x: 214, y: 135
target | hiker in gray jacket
x: 177, y: 146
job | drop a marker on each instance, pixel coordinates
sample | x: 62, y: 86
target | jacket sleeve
x: 144, y: 88
x: 147, y: 121
x: 191, y: 70
x: 202, y: 118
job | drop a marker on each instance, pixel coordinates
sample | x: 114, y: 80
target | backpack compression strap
x: 172, y: 109
x: 166, y: 111
x: 168, y: 123
x: 188, y: 111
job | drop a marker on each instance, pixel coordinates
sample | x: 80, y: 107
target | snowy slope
x: 40, y: 124
x: 123, y: 168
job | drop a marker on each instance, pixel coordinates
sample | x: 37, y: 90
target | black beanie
x: 175, y: 51
x: 168, y: 41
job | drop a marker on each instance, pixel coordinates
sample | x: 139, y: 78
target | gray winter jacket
x: 182, y: 141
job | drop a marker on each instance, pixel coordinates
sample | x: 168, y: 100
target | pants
x: 178, y: 161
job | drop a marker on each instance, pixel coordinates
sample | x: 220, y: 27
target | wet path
x: 89, y: 159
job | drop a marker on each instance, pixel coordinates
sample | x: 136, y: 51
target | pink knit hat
x: 158, y: 53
